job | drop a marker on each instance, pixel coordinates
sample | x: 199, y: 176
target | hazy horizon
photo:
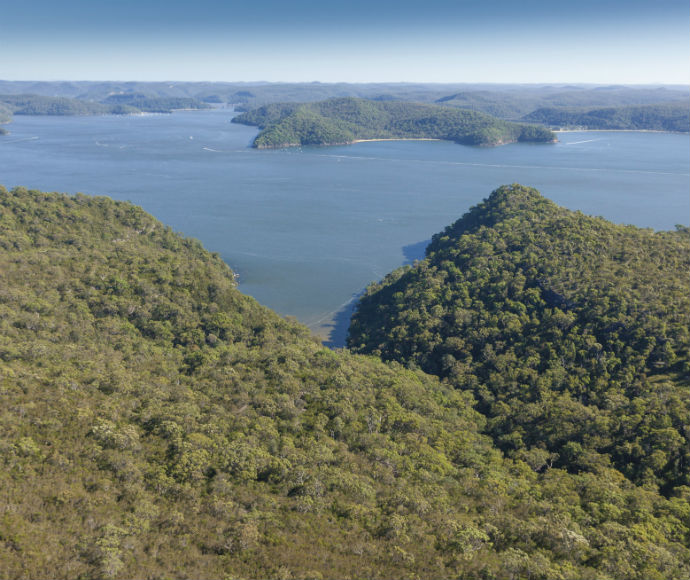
x: 535, y: 84
x: 632, y: 42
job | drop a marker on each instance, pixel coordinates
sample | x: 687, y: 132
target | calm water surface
x: 307, y: 229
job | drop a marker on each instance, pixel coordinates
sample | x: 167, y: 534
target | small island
x: 348, y: 120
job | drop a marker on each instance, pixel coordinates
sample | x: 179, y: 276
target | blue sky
x: 631, y: 41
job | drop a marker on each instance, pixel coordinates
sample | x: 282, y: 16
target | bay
x: 306, y: 229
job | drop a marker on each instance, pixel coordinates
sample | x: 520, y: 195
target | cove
x: 307, y: 229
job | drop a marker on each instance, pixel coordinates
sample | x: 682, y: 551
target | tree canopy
x: 345, y: 120
x: 120, y: 104
x: 661, y: 117
x: 158, y: 423
x: 570, y: 331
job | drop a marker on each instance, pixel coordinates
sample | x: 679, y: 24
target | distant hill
x: 158, y: 424
x: 40, y: 105
x: 514, y: 103
x: 572, y: 332
x: 346, y: 120
x: 31, y: 104
x: 146, y: 103
x: 664, y: 117
x: 510, y: 102
x: 511, y: 105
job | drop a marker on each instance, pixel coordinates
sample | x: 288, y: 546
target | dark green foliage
x: 156, y: 423
x: 346, y: 120
x: 571, y: 332
x: 503, y: 104
x: 267, y: 115
x: 665, y: 117
x: 214, y: 99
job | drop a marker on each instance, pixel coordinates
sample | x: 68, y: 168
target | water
x: 307, y: 229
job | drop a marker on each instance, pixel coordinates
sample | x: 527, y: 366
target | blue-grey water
x: 307, y: 229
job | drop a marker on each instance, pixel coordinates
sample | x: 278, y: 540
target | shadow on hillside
x: 415, y: 251
x: 341, y: 321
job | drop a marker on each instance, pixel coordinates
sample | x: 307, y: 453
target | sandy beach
x: 397, y: 139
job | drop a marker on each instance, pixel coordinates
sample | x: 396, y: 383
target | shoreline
x: 353, y: 142
x: 396, y: 139
x: 618, y: 131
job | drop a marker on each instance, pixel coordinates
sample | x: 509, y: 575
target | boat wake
x: 503, y: 166
x: 19, y: 140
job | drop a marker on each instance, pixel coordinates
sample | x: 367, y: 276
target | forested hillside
x: 665, y: 117
x: 149, y: 104
x: 553, y: 105
x: 30, y: 104
x: 346, y: 120
x: 571, y: 332
x: 509, y: 101
x: 39, y: 105
x: 157, y: 423
x: 515, y: 103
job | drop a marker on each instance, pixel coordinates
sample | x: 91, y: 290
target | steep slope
x: 572, y: 333
x: 157, y: 423
x: 345, y: 120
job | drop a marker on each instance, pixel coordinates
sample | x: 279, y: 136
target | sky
x: 488, y: 41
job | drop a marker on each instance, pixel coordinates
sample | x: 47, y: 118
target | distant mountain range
x: 547, y: 104
x: 30, y: 104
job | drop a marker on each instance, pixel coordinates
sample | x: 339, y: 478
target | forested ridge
x: 616, y: 107
x: 346, y: 120
x: 157, y: 423
x: 518, y: 103
x: 120, y: 104
x: 661, y: 117
x: 570, y: 331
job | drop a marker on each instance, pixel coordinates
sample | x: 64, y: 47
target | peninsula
x: 348, y: 120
